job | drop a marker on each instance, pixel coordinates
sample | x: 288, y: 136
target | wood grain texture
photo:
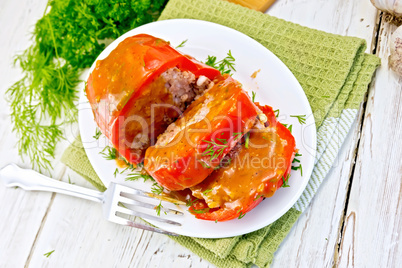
x: 315, y: 235
x: 373, y: 224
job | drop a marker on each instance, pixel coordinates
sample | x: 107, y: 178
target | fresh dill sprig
x: 109, y: 153
x: 276, y: 113
x: 247, y: 140
x: 200, y: 211
x: 158, y: 209
x: 98, y: 133
x: 290, y: 128
x: 206, y: 191
x: 137, y: 176
x: 47, y: 255
x: 65, y: 40
x: 157, y: 189
x: 297, y: 168
x: 285, y: 181
x: 190, y: 202
x: 116, y: 171
x: 69, y: 180
x: 225, y: 66
x: 300, y: 118
x: 258, y: 197
x: 214, y: 152
x: 241, y: 215
x: 237, y: 135
x: 203, y: 164
x: 253, y: 96
x: 182, y: 43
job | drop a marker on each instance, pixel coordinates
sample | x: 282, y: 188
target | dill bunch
x: 66, y: 39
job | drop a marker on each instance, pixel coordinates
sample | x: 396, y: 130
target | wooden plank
x: 21, y: 213
x: 371, y: 235
x: 314, y: 238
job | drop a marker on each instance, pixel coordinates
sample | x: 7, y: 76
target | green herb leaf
x: 109, y: 153
x: 253, y: 97
x: 182, y: 43
x: 47, y: 255
x: 137, y: 176
x: 190, y: 202
x: 241, y: 215
x: 158, y: 209
x: 157, y: 189
x: 98, y: 133
x: 285, y: 181
x: 66, y: 39
x: 247, y: 140
x: 300, y: 118
x: 206, y: 191
x: 200, y: 211
x: 225, y: 66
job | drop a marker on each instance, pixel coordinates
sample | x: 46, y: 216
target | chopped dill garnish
x: 137, y: 176
x: 258, y: 197
x: 298, y: 167
x: 290, y: 128
x: 116, y: 171
x: 236, y: 135
x: 213, y: 152
x: 157, y: 189
x: 190, y: 202
x: 285, y: 181
x: 216, y: 221
x: 241, y: 215
x: 297, y: 154
x: 109, y: 153
x: 182, y: 43
x: 47, y: 255
x: 98, y: 133
x: 247, y: 140
x: 158, y: 209
x: 69, y: 180
x: 200, y: 211
x: 253, y: 97
x: 203, y: 164
x: 206, y: 191
x: 225, y: 66
x: 276, y: 112
x: 300, y: 118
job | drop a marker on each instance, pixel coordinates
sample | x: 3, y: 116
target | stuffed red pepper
x: 253, y: 170
x: 193, y: 146
x: 141, y: 87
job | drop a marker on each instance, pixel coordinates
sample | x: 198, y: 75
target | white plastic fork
x: 116, y: 199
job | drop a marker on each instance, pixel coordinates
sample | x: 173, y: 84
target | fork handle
x: 30, y: 180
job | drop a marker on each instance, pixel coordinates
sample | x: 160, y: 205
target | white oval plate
x: 274, y: 85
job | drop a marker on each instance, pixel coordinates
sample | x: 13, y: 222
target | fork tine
x: 122, y: 221
x: 145, y: 216
x: 133, y: 191
x: 129, y: 201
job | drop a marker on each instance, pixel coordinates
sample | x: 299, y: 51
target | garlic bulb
x: 393, y: 7
x: 395, y: 59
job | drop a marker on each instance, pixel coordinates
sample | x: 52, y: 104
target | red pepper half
x: 195, y: 144
x: 123, y: 86
x: 258, y: 169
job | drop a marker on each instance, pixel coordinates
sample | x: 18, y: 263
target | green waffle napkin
x: 334, y: 72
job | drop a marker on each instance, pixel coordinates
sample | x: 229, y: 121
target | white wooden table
x: 355, y: 220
